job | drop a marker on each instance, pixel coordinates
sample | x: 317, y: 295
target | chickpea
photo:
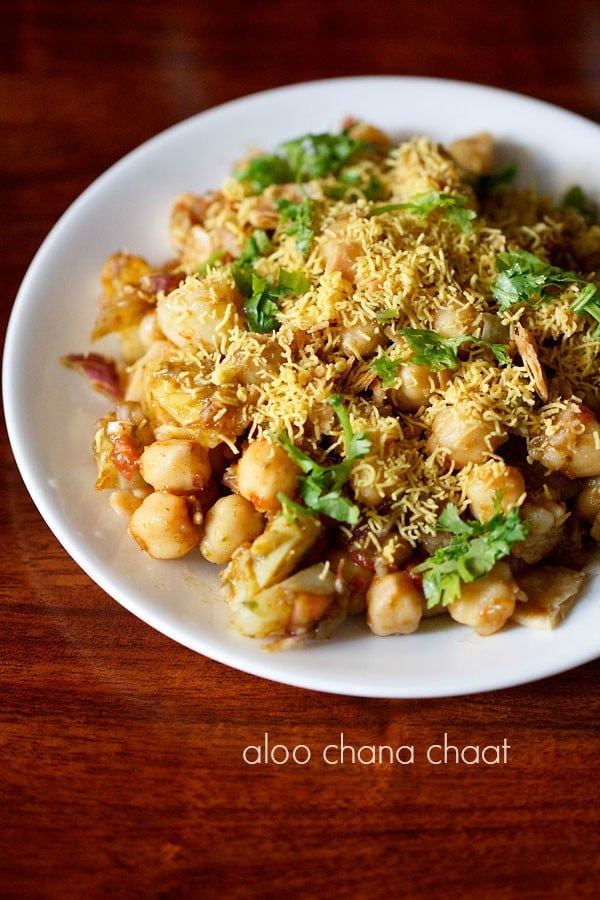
x: 465, y: 435
x: 586, y: 246
x: 585, y: 461
x: 175, y: 465
x: 456, y: 319
x: 162, y: 526
x: 588, y: 500
x: 231, y: 522
x: 362, y: 131
x: 341, y: 255
x: 394, y: 604
x: 488, y: 481
x: 475, y: 153
x: 487, y: 604
x: 264, y: 470
x: 570, y: 443
x: 544, y: 517
x: 412, y: 388
x: 361, y: 340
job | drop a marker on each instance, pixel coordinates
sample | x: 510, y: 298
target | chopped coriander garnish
x: 307, y: 157
x: 525, y: 278
x: 262, y: 294
x: 210, y: 261
x: 576, y: 198
x: 261, y: 171
x: 337, y: 191
x: 473, y: 551
x: 262, y: 307
x: 258, y: 244
x: 349, y: 176
x: 386, y: 368
x: 290, y: 508
x: 318, y: 155
x: 436, y: 352
x: 374, y: 189
x: 292, y: 283
x: 350, y: 187
x: 424, y: 204
x: 299, y: 215
x: 355, y: 445
x: 320, y: 487
x: 588, y: 303
x: 484, y: 184
x: 387, y: 315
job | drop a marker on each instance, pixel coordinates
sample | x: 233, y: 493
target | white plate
x: 50, y: 412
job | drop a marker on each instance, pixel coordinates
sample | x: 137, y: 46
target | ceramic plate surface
x: 50, y: 412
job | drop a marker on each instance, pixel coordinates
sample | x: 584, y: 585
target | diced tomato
x: 125, y: 456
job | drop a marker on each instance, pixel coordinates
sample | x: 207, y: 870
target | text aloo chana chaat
x: 367, y: 381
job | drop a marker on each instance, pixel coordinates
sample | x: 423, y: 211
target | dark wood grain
x: 122, y: 770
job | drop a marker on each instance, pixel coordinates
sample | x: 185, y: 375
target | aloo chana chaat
x: 366, y: 382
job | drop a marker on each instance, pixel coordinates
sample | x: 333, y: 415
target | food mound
x: 367, y: 382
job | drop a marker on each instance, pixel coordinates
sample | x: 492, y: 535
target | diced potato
x: 200, y: 311
x: 474, y: 153
x: 269, y: 559
x: 273, y: 555
x: 551, y: 593
x: 295, y: 606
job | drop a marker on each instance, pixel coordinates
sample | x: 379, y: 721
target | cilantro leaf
x: 575, y: 198
x: 320, y: 487
x: 317, y: 155
x: 387, y: 315
x: 306, y: 157
x: 485, y: 184
x: 299, y: 215
x: 424, y: 204
x: 261, y: 171
x: 374, y: 189
x: 356, y: 445
x: 262, y: 307
x: 350, y: 186
x: 210, y: 261
x: 588, y: 303
x: 292, y: 283
x: 525, y: 278
x: 435, y: 352
x: 258, y: 244
x: 386, y: 368
x: 473, y: 550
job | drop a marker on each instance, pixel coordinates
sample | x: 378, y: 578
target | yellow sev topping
x: 370, y: 276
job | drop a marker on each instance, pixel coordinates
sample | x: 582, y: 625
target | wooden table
x: 122, y: 771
